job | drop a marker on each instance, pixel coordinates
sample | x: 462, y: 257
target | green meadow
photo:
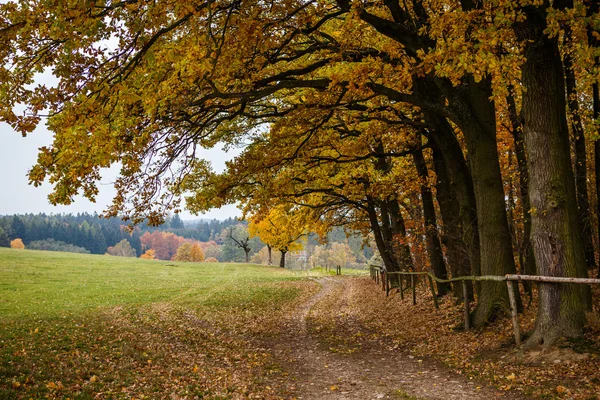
x: 87, y: 326
x: 45, y: 284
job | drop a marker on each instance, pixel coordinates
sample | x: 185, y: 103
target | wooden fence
x: 381, y: 276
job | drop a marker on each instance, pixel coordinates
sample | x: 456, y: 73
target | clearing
x: 100, y: 327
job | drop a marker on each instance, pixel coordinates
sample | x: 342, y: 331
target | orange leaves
x: 148, y: 255
x: 189, y: 252
x: 17, y: 244
x: 164, y: 244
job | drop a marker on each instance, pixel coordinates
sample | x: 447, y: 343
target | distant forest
x: 88, y: 233
x: 96, y: 234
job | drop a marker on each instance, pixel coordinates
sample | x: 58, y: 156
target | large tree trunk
x: 387, y: 255
x: 555, y: 236
x: 456, y: 248
x: 525, y: 251
x: 458, y: 177
x: 580, y: 157
x: 596, y: 94
x: 434, y: 247
x: 388, y: 228
x: 594, y: 9
x: 477, y: 120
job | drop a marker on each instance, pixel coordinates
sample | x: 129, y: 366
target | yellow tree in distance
x: 281, y: 228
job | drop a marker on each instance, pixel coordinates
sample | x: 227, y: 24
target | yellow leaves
x: 189, y: 252
x: 281, y: 227
x: 334, y: 388
x: 55, y: 386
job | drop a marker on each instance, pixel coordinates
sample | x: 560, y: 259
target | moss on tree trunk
x: 555, y: 236
x: 476, y: 118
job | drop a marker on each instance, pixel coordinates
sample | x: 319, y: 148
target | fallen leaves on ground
x: 159, y: 350
x: 361, y: 315
x: 214, y: 350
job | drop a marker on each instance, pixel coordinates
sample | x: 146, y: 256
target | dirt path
x: 312, y: 371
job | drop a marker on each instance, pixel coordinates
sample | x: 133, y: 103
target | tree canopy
x: 360, y: 111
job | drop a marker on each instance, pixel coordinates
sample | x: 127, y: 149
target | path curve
x: 312, y: 372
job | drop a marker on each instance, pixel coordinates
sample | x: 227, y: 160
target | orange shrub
x: 17, y: 244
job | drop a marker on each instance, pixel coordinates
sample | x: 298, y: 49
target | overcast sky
x: 18, y: 154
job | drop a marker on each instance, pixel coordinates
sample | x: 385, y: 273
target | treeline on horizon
x: 96, y: 234
x: 89, y: 233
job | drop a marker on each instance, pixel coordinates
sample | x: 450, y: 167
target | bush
x: 149, y: 255
x: 17, y: 244
x: 211, y: 260
x: 189, y: 252
x: 122, y: 249
x: 56, y: 245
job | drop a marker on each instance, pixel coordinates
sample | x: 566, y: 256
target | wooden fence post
x: 435, y: 299
x: 466, y: 305
x: 400, y: 282
x: 387, y: 285
x: 513, y: 311
x: 414, y: 292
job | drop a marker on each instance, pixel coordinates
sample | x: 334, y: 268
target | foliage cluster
x: 56, y: 245
x: 122, y: 249
x: 17, y: 244
x: 91, y: 233
x: 95, y: 234
x: 442, y: 127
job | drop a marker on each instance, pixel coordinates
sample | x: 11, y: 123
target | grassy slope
x: 43, y: 284
x: 85, y: 326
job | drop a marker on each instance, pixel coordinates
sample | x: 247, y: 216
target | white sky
x: 18, y: 154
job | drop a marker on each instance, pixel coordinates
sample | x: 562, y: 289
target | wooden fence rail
x: 381, y: 276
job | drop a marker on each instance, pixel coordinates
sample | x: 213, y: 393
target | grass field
x: 85, y: 326
x: 44, y: 284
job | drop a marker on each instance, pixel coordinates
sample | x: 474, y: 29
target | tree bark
x: 282, y: 260
x: 270, y: 259
x: 400, y: 244
x: 434, y: 247
x: 456, y: 248
x: 477, y: 119
x: 583, y: 202
x: 525, y: 251
x: 555, y: 236
x: 458, y: 177
x: 594, y: 9
x: 385, y: 251
x: 389, y: 229
x: 596, y: 95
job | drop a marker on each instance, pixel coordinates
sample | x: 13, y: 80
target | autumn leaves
x: 331, y: 102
